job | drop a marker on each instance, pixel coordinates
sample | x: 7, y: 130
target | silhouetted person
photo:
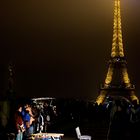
x: 118, y: 121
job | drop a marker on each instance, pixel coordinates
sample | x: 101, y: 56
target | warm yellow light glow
x: 125, y: 77
x: 109, y: 75
x: 101, y: 97
x: 117, y: 58
x: 134, y: 97
x: 117, y: 44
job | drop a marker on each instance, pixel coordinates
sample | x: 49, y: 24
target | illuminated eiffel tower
x: 117, y: 82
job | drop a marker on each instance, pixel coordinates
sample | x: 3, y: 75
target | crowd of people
x: 124, y: 121
x: 32, y: 118
x: 115, y: 119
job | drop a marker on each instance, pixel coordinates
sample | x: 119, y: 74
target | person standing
x: 40, y: 123
x: 28, y: 121
x: 19, y: 124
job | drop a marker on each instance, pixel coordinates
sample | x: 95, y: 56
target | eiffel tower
x: 117, y: 82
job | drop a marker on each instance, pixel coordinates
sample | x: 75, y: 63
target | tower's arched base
x: 115, y: 93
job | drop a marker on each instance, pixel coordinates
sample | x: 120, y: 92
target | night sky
x: 60, y: 48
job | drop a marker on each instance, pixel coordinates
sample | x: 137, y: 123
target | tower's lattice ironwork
x: 117, y: 82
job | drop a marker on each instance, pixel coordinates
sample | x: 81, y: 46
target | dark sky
x: 60, y: 48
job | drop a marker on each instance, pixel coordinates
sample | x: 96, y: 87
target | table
x: 47, y: 136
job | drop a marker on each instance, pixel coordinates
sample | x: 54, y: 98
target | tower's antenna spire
x: 117, y: 43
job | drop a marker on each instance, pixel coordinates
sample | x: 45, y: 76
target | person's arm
x: 31, y: 120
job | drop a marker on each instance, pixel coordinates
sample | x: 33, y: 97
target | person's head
x: 19, y: 108
x: 26, y: 105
